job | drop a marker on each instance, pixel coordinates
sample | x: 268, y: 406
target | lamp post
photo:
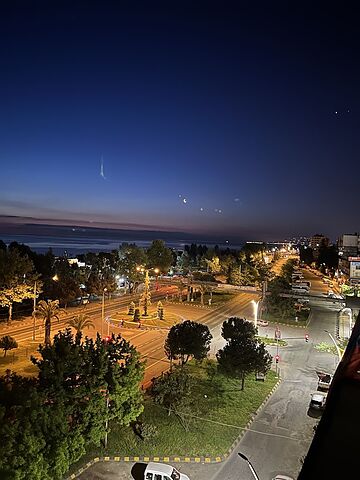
x: 256, y: 306
x: 336, y: 345
x: 103, y: 312
x: 241, y: 455
x: 34, y: 312
x: 156, y: 271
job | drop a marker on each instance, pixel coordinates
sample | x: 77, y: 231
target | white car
x: 303, y: 300
x: 263, y: 323
x: 161, y: 471
x: 282, y: 477
x: 317, y: 401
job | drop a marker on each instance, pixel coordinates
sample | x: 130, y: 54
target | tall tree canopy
x: 188, y: 339
x: 159, y: 256
x: 46, y: 423
x: 243, y: 352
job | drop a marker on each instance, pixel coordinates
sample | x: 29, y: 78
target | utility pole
x: 34, y: 312
x: 107, y: 420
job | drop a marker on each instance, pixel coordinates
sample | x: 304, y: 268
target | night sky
x: 212, y: 117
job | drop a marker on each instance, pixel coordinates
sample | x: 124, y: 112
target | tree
x: 188, y: 339
x: 15, y: 294
x: 160, y: 310
x: 306, y: 255
x: 131, y: 309
x: 213, y: 265
x: 243, y: 353
x: 23, y: 413
x: 288, y: 269
x: 16, y: 278
x: 49, y: 311
x: 15, y: 269
x: 85, y: 385
x: 180, y: 286
x: 145, y: 298
x: 137, y: 315
x: 202, y: 289
x: 159, y: 256
x: 8, y: 343
x: 130, y: 256
x: 173, y: 390
x: 277, y: 305
x: 236, y: 327
x: 79, y: 322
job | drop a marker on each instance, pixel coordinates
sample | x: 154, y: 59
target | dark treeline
x: 25, y: 273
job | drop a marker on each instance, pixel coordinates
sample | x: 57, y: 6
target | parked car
x: 317, y: 400
x: 282, y: 477
x: 161, y: 471
x: 324, y: 380
x: 303, y: 300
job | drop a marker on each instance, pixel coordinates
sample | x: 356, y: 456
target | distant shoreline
x: 76, y: 240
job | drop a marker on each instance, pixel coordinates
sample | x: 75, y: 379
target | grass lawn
x: 217, y: 299
x: 302, y: 318
x: 218, y: 399
x: 272, y: 341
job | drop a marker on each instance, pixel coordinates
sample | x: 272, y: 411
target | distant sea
x: 76, y: 240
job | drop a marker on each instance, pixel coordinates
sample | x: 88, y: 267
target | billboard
x: 354, y: 267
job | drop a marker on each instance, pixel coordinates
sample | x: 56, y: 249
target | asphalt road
x: 281, y: 433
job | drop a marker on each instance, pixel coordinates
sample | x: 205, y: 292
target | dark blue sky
x: 230, y: 105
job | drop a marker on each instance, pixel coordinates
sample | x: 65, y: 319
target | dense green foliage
x: 243, y: 352
x: 7, y: 343
x: 173, y: 390
x: 219, y: 412
x: 188, y: 339
x: 281, y: 308
x: 63, y: 279
x: 46, y: 423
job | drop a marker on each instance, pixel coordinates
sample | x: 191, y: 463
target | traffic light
x: 306, y: 337
x: 277, y: 358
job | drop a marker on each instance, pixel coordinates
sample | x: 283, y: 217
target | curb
x: 189, y: 304
x: 177, y: 459
x: 144, y: 458
x: 290, y: 324
x: 247, y: 426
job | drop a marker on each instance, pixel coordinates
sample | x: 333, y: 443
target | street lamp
x: 34, y: 311
x: 103, y: 312
x: 241, y: 455
x: 156, y: 270
x: 336, y: 345
x: 256, y: 306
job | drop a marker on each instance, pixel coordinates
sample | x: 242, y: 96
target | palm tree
x: 79, y: 322
x: 49, y: 311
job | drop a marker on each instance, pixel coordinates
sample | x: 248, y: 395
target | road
x: 281, y: 433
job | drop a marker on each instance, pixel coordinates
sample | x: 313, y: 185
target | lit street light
x: 256, y: 306
x: 241, y: 455
x: 34, y: 311
x: 156, y: 270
